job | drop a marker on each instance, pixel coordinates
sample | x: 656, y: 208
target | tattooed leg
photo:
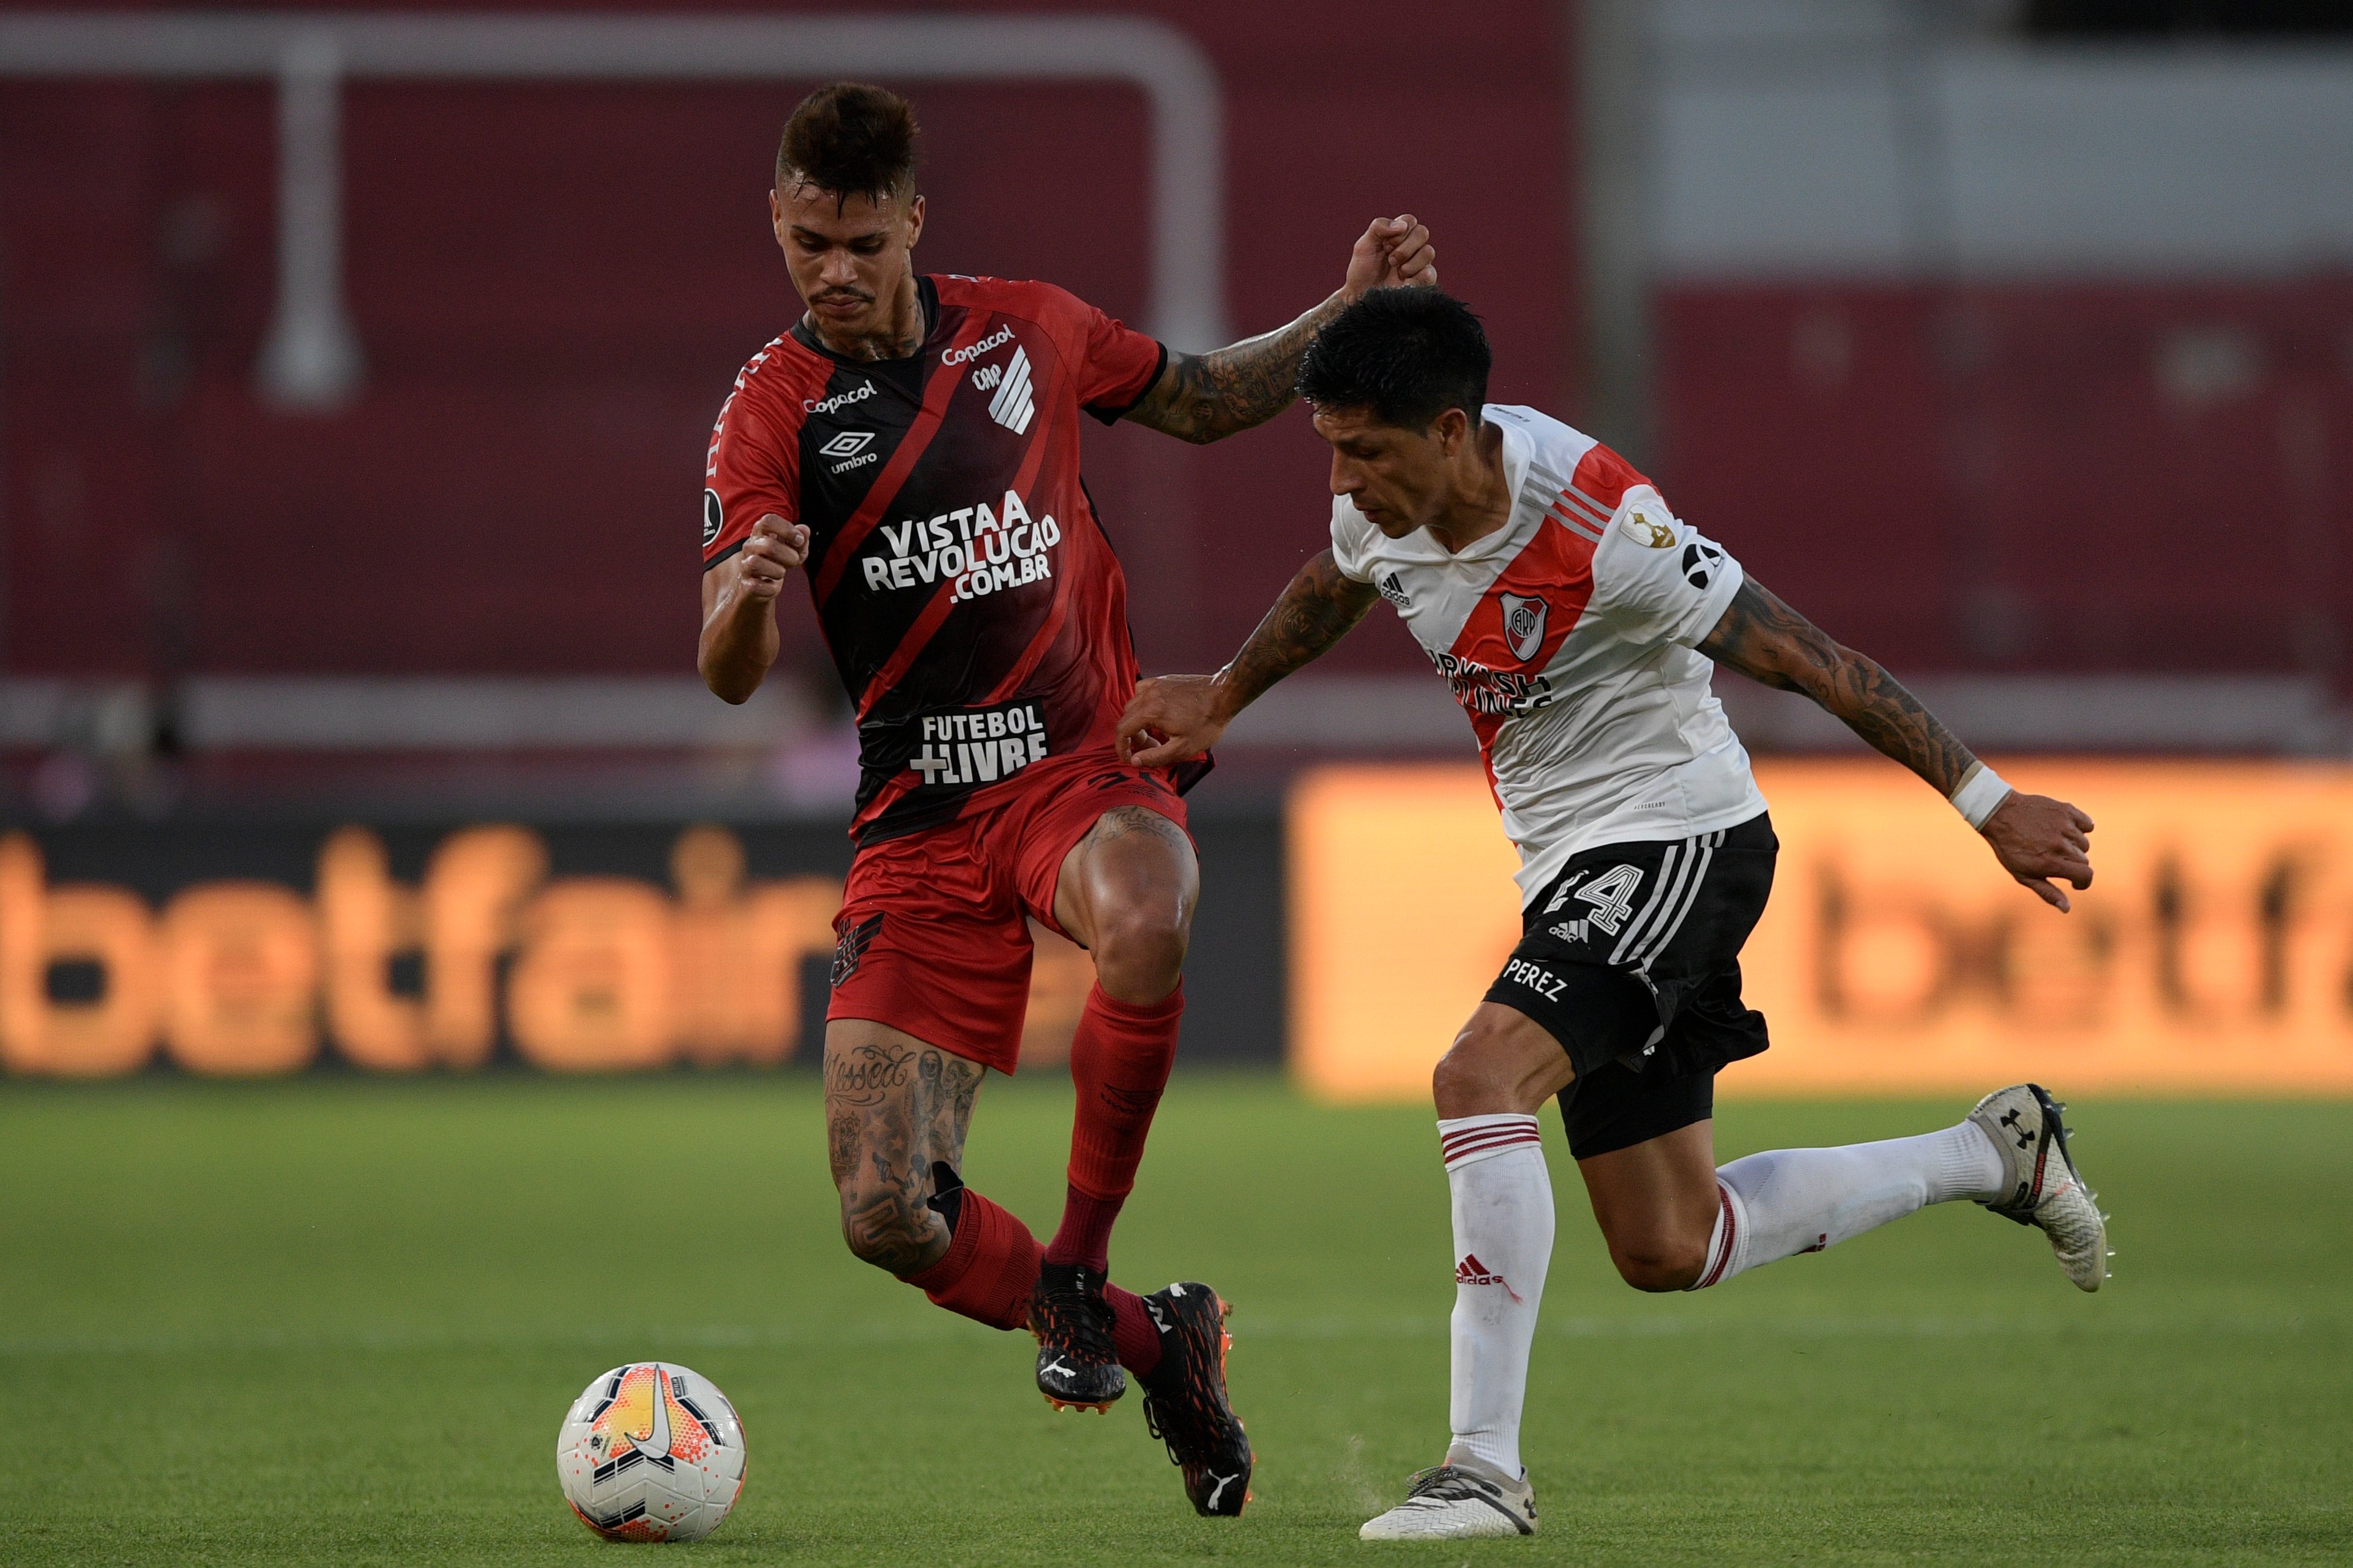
x: 894, y: 1106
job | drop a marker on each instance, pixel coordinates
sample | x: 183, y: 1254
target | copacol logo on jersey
x: 979, y: 745
x: 840, y: 400
x: 979, y: 550
x: 996, y: 340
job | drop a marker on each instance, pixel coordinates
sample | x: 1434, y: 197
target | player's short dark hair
x: 1408, y: 355
x: 850, y: 139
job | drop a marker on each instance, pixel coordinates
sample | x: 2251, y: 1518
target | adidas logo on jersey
x: 1394, y: 592
x: 1012, y: 406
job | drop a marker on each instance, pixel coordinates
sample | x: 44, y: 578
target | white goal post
x: 311, y: 359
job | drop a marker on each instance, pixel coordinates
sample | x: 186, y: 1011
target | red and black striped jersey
x: 973, y: 606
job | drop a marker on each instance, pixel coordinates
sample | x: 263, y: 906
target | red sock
x: 1120, y: 1059
x: 990, y: 1268
x: 1133, y: 1333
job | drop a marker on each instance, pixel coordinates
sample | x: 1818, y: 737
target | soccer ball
x: 650, y: 1451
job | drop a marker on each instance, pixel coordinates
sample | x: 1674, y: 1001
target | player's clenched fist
x: 769, y: 555
x: 1394, y: 252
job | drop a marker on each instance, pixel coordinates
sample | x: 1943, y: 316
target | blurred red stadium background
x: 553, y: 283
x: 556, y: 284
x: 2020, y: 356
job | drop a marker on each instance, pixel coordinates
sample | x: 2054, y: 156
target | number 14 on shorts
x: 1611, y: 894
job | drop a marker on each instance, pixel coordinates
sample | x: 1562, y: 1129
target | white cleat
x: 1459, y: 1500
x: 2049, y: 1193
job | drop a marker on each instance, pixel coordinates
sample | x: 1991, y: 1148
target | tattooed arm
x: 2036, y: 838
x: 1205, y: 397
x: 1174, y: 717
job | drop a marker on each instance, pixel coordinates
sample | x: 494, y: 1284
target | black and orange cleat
x: 1078, y: 1365
x: 1185, y: 1399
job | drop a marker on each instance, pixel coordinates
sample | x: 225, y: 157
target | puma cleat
x: 1185, y: 1399
x: 1078, y: 1365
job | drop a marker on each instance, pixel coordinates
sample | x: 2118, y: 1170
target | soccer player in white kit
x: 1576, y: 618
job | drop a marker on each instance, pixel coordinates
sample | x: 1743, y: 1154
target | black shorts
x: 1630, y: 959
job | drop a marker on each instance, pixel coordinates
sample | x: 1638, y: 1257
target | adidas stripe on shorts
x: 1630, y: 959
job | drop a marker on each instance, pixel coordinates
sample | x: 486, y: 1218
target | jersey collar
x: 1519, y: 450
x: 927, y: 301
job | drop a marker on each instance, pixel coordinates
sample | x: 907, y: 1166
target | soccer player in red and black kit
x: 912, y: 446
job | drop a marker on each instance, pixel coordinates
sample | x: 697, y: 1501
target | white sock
x: 1788, y: 1201
x: 1503, y: 1246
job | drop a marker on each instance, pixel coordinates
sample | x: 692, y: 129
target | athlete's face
x: 1400, y: 478
x: 850, y: 259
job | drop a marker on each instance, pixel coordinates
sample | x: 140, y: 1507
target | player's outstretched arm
x: 739, y: 607
x: 1204, y: 397
x: 1173, y: 716
x: 2036, y: 838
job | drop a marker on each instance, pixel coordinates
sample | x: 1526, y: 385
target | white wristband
x: 1980, y: 796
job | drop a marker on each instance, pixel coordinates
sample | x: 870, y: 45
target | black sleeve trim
x: 725, y: 553
x: 1113, y: 415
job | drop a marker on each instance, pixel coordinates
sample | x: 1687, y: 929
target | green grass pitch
x: 337, y: 1321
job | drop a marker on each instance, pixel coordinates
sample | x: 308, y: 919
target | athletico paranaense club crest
x: 1524, y: 625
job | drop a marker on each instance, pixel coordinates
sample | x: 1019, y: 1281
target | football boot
x: 1458, y: 1501
x: 1078, y: 1365
x: 1185, y: 1399
x: 2045, y: 1190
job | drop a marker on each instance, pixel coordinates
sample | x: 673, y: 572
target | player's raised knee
x: 1455, y: 1083
x: 1660, y: 1263
x: 1473, y: 1078
x: 1139, y: 950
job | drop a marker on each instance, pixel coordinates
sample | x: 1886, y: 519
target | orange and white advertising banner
x: 2214, y: 952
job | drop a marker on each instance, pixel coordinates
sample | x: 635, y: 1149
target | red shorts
x: 933, y: 933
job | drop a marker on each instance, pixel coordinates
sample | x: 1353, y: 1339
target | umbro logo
x: 1394, y: 592
x: 848, y: 444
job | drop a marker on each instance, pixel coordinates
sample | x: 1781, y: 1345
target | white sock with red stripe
x: 1788, y: 1201
x: 1503, y: 1246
